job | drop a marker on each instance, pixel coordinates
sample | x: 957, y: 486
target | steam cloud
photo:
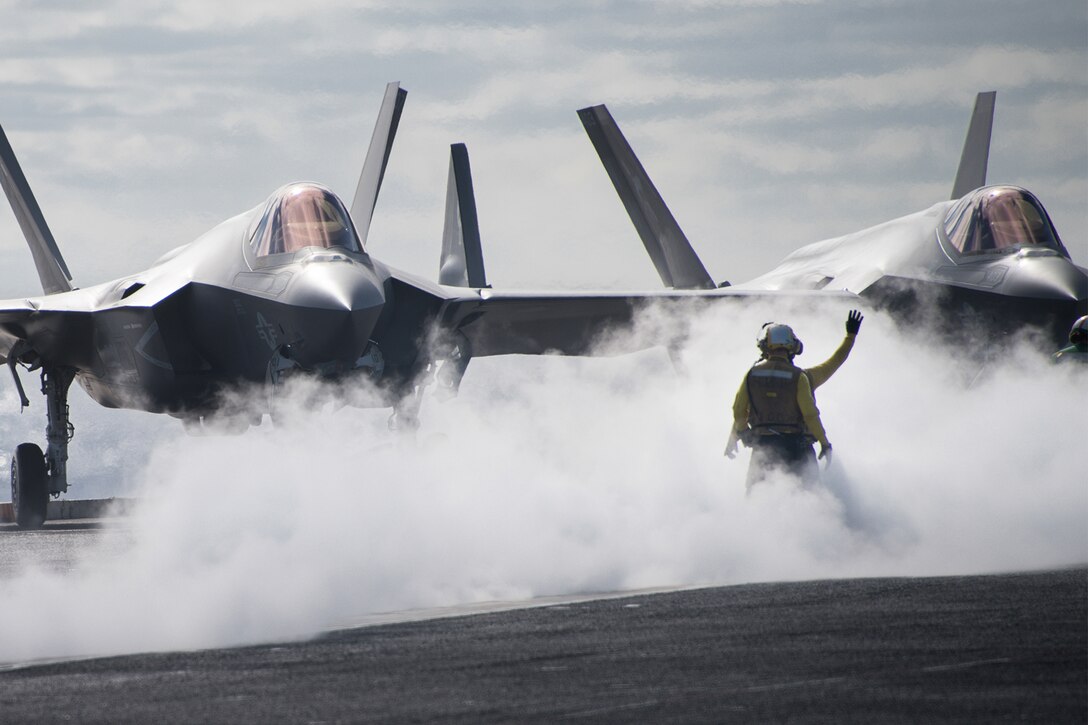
x: 555, y: 475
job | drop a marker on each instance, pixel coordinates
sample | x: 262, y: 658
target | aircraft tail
x: 52, y: 270
x: 670, y: 251
x: 976, y: 148
x: 462, y: 262
x: 377, y: 156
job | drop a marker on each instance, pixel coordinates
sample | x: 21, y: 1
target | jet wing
x: 533, y: 323
x: 35, y: 331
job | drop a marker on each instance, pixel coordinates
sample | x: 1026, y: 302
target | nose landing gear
x: 35, y: 476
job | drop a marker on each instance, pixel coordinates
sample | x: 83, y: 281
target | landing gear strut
x: 409, y: 399
x: 35, y: 475
x: 405, y: 417
x: 452, y: 355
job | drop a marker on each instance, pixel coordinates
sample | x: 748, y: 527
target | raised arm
x: 819, y: 374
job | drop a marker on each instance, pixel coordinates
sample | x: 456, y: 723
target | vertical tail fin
x: 377, y: 156
x: 52, y: 270
x: 976, y: 148
x: 670, y: 251
x: 462, y: 262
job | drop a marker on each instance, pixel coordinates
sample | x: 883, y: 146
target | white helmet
x: 1078, y: 334
x: 777, y: 336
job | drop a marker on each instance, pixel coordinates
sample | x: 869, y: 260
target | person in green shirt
x: 774, y: 411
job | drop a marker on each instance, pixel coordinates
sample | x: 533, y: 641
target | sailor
x: 1078, y: 344
x: 775, y: 413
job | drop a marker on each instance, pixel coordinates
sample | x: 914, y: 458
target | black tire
x: 29, y: 486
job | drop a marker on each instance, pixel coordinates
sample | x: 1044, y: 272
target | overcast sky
x: 766, y: 125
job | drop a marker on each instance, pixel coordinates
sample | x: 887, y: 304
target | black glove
x: 825, y: 452
x: 853, y: 322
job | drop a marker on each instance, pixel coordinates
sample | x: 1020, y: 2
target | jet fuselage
x: 913, y: 265
x: 214, y: 314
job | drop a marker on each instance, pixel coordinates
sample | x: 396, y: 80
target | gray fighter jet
x: 989, y: 261
x: 285, y: 289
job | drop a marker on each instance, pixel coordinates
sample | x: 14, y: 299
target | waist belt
x: 778, y: 430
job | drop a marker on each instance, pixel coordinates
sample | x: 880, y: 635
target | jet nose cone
x: 337, y: 283
x: 1048, y: 278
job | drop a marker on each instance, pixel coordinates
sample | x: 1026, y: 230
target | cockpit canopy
x: 1000, y: 219
x: 304, y: 215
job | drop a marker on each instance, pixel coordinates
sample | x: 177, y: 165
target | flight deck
x: 938, y: 649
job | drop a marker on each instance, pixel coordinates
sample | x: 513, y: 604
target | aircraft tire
x: 29, y: 486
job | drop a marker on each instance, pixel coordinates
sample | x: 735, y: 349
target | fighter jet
x: 989, y: 260
x: 289, y: 289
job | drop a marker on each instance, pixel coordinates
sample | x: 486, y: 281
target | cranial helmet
x: 1078, y: 335
x: 779, y: 337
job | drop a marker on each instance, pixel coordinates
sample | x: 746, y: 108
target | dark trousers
x: 791, y: 453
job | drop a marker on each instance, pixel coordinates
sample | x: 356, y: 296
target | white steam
x: 554, y: 475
